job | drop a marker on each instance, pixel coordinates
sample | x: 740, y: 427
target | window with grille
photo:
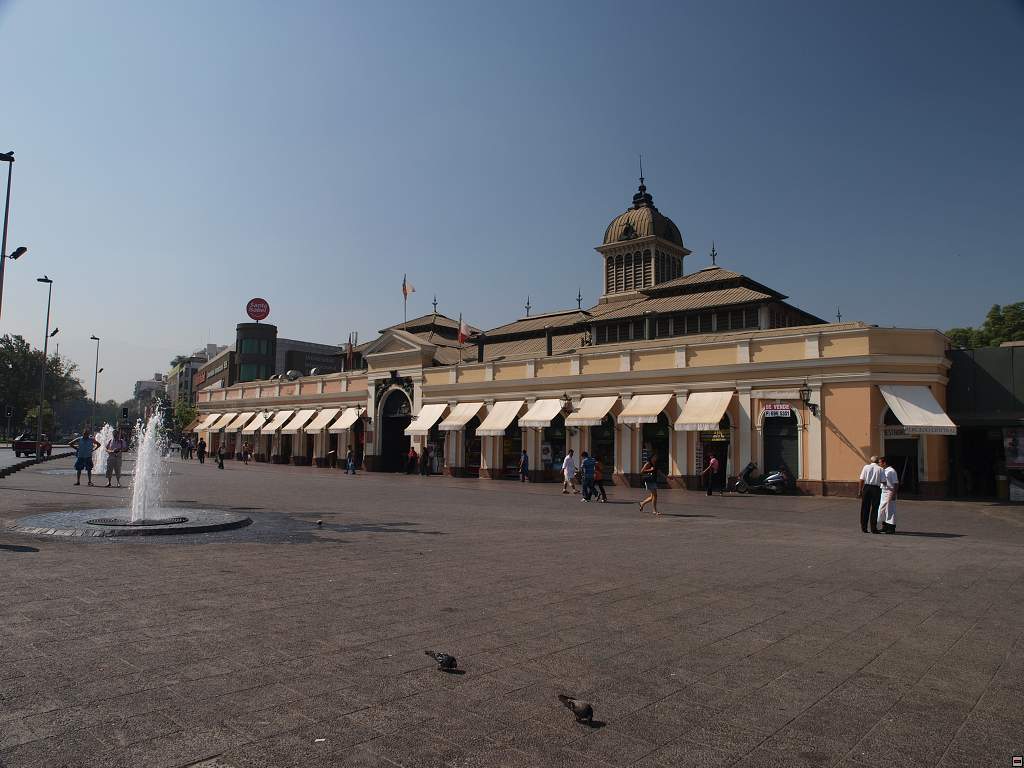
x: 663, y: 327
x: 706, y: 322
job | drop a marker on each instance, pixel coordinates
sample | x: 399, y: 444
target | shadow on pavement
x: 930, y: 535
x: 16, y: 548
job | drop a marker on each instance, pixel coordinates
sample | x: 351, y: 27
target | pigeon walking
x: 445, y: 662
x: 583, y: 711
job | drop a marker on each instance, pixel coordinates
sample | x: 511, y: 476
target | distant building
x: 304, y: 356
x: 219, y: 371
x: 180, y: 377
x: 147, y: 389
x: 260, y: 354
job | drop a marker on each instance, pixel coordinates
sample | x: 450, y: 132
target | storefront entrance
x: 471, y: 448
x: 552, y: 448
x: 395, y: 416
x: 358, y: 443
x: 602, y: 446
x: 715, y: 443
x: 511, y: 450
x: 781, y: 443
x: 332, y: 449
x: 901, y: 451
x: 435, y: 450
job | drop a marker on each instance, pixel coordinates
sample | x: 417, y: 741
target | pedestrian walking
x: 246, y: 450
x: 599, y: 480
x: 524, y: 467
x: 569, y: 472
x: 220, y: 454
x: 84, y: 446
x: 116, y: 447
x: 649, y: 475
x: 588, y: 465
x: 426, y: 460
x: 410, y: 467
x: 869, y: 490
x: 201, y: 451
x: 887, y: 501
x: 711, y: 470
x: 350, y: 463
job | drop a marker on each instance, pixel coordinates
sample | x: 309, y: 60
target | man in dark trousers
x: 201, y: 451
x: 869, y: 490
x: 712, y: 472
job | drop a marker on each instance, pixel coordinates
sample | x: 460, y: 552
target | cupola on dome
x: 642, y: 220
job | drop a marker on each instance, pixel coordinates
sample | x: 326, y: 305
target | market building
x: 674, y: 363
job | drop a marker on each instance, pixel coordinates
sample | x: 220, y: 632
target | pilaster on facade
x: 812, y: 346
x: 680, y: 440
x: 680, y: 356
x: 625, y: 361
x: 574, y: 365
x: 743, y: 351
x: 815, y: 444
x: 743, y: 397
x: 488, y: 371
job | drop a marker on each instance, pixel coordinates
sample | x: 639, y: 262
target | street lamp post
x: 95, y: 378
x: 7, y: 157
x: 42, y: 373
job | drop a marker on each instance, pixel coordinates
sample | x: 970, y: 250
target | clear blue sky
x: 177, y: 159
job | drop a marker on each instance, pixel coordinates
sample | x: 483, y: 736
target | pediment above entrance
x: 397, y: 348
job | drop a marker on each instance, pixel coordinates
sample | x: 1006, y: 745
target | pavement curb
x: 29, y: 462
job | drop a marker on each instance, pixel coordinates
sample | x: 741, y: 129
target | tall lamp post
x: 95, y: 379
x: 42, y: 373
x: 7, y: 157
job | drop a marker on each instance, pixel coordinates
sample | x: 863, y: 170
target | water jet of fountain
x: 148, y: 477
x: 99, y: 456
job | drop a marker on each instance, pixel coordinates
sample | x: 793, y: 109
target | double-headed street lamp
x: 42, y: 373
x: 7, y: 157
x: 95, y: 378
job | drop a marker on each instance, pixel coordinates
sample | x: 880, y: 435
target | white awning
x: 347, y: 419
x: 194, y: 424
x: 703, y: 411
x: 460, y: 416
x: 591, y: 412
x: 644, y: 409
x: 325, y: 417
x: 223, y: 421
x: 501, y: 415
x: 541, y: 413
x: 298, y: 422
x: 426, y: 418
x: 241, y: 421
x: 917, y: 410
x: 204, y: 425
x: 278, y: 421
x: 256, y: 424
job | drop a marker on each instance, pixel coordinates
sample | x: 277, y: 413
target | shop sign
x: 258, y: 309
x: 715, y: 436
x: 781, y: 410
x: 894, y: 430
x: 1013, y: 447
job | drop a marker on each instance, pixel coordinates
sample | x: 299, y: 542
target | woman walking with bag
x: 649, y: 472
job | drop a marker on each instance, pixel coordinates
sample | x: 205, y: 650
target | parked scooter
x: 772, y: 482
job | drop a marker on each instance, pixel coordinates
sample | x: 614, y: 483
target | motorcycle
x: 771, y: 482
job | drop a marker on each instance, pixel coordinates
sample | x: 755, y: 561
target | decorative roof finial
x: 435, y: 303
x: 839, y: 315
x: 527, y: 306
x: 641, y: 169
x: 643, y: 199
x: 579, y: 299
x: 714, y: 253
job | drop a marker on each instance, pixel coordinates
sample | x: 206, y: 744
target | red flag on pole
x: 463, y: 329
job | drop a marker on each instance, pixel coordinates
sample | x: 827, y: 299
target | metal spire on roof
x: 839, y: 315
x: 641, y: 167
x: 579, y: 299
x: 435, y: 303
x: 714, y: 253
x: 527, y: 306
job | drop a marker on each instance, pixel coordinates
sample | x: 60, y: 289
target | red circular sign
x: 258, y: 309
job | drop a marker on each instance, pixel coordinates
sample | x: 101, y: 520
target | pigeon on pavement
x: 583, y: 711
x: 445, y: 662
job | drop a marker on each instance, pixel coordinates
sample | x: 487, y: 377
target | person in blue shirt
x: 588, y: 466
x: 86, y: 444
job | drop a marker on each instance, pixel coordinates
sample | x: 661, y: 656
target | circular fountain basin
x: 115, y: 522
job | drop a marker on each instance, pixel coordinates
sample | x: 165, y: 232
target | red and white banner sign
x: 777, y: 409
x: 258, y: 309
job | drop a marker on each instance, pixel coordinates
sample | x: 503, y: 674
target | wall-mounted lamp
x: 805, y: 396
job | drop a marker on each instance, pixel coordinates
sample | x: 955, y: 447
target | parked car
x: 25, y: 445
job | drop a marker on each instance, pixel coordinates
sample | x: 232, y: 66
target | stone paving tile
x: 755, y: 636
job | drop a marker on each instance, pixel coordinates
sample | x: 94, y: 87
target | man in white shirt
x: 569, y: 473
x: 870, y: 492
x: 116, y: 446
x: 887, y: 506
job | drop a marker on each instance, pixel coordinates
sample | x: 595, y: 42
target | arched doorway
x: 358, y: 443
x: 395, y: 416
x: 655, y: 441
x: 781, y: 444
x: 602, y: 445
x: 511, y: 450
x: 471, y: 447
x: 552, y: 448
x: 901, y: 451
x: 715, y: 443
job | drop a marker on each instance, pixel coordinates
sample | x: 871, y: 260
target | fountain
x: 99, y: 456
x: 145, y: 514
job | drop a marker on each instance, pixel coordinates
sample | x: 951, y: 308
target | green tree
x: 184, y: 414
x: 1002, y: 324
x: 20, y: 366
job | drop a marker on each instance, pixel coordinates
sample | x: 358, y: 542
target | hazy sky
x: 177, y: 159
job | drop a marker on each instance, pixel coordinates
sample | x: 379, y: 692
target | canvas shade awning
x: 426, y: 418
x: 644, y: 409
x: 347, y: 419
x: 703, y: 411
x: 298, y: 422
x: 541, y: 413
x: 205, y: 424
x: 278, y: 421
x: 256, y: 424
x: 195, y: 423
x: 223, y: 421
x: 325, y: 417
x: 460, y: 416
x: 917, y: 410
x: 501, y: 415
x: 591, y: 412
x: 239, y: 422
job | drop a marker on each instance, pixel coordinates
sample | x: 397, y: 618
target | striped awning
x: 223, y: 421
x: 426, y: 419
x: 703, y: 411
x: 205, y: 424
x: 501, y: 415
x: 325, y: 417
x: 256, y: 424
x: 347, y: 419
x: 460, y: 416
x: 541, y: 413
x: 644, y: 409
x: 238, y: 423
x: 279, y: 420
x: 591, y: 412
x: 298, y: 422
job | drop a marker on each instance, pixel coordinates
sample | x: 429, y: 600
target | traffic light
x: 9, y: 412
x: 124, y: 414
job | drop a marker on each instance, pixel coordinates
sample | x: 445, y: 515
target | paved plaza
x: 746, y: 631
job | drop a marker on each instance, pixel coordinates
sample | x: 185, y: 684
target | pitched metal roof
x: 540, y: 322
x: 689, y: 301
